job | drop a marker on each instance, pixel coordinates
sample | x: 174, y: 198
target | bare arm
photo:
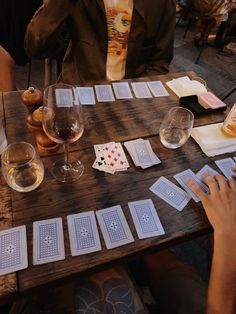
x: 42, y: 37
x: 220, y: 207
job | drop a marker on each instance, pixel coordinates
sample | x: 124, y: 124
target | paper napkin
x: 212, y: 141
x: 183, y: 86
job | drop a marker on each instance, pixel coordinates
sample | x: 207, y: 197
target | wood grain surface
x: 8, y: 283
x: 119, y: 121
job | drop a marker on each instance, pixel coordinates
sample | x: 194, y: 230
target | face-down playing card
x: 48, y: 241
x: 13, y: 250
x: 114, y: 227
x: 83, y: 233
x: 145, y: 218
x: 225, y: 166
x: 184, y: 177
x: 170, y: 193
x: 206, y: 170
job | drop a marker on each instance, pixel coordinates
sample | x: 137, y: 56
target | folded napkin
x: 183, y: 86
x: 212, y: 141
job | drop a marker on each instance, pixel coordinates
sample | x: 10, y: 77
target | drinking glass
x: 176, y: 127
x: 3, y: 140
x: 63, y: 123
x: 21, y: 167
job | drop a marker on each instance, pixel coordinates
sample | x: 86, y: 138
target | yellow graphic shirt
x: 119, y: 16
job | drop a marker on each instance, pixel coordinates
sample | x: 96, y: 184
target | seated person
x: 7, y: 71
x: 110, y: 39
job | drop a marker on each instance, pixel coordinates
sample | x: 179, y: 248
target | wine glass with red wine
x: 63, y: 123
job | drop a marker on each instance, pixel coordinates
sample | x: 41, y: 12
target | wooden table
x: 119, y: 121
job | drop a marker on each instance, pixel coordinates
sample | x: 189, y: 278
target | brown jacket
x: 150, y: 45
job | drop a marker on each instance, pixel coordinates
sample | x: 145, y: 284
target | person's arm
x: 162, y: 54
x: 7, y: 71
x: 220, y: 207
x: 42, y: 38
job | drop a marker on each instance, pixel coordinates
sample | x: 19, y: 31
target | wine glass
x: 63, y: 123
x: 176, y: 127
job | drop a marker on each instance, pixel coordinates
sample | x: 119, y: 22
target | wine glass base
x: 64, y: 173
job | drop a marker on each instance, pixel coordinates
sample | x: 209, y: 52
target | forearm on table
x: 43, y: 31
x: 222, y: 285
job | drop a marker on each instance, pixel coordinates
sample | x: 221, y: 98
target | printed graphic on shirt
x: 118, y: 23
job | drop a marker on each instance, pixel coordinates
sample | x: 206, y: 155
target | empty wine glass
x: 176, y: 127
x: 63, y: 123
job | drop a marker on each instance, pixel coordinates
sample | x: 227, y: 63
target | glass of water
x: 21, y: 167
x: 176, y: 127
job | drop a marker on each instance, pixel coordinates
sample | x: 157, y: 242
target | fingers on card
x: 13, y: 250
x: 225, y: 165
x: 48, y: 241
x: 201, y: 174
x: 83, y: 233
x: 170, y: 193
x: 145, y: 218
x: 183, y: 179
x: 114, y: 227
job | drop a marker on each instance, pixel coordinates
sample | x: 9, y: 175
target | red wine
x: 65, y: 135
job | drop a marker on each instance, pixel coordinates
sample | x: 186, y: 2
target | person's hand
x: 234, y: 172
x: 219, y: 204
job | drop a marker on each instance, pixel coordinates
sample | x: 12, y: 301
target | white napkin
x: 212, y: 141
x: 183, y: 86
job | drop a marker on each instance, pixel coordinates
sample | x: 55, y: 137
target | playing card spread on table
x: 13, y: 250
x: 183, y: 179
x: 104, y: 93
x: 110, y: 157
x: 48, y: 241
x: 142, y: 154
x: 122, y: 90
x: 206, y: 170
x: 157, y: 89
x: 141, y: 90
x: 225, y: 165
x: 146, y: 220
x: 114, y: 227
x: 170, y: 193
x: 83, y: 233
x: 64, y: 98
x: 86, y: 95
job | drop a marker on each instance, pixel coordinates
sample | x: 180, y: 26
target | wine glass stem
x: 67, y: 163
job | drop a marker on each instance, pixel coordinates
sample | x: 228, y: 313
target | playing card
x: 114, y: 227
x: 83, y: 233
x: 225, y: 166
x: 48, y: 241
x: 122, y: 90
x: 104, y: 93
x: 141, y: 90
x: 206, y: 169
x: 64, y: 98
x: 157, y: 89
x: 13, y: 250
x: 115, y: 157
x: 146, y: 220
x: 86, y: 95
x: 184, y: 177
x: 170, y: 193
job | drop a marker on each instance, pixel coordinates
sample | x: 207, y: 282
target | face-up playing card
x: 115, y: 157
x: 206, y: 169
x: 104, y: 93
x: 141, y: 90
x: 13, y: 250
x: 114, y: 227
x: 48, y: 241
x: 86, y: 95
x: 183, y: 179
x: 157, y: 89
x: 122, y: 90
x: 170, y: 193
x: 64, y: 98
x: 146, y: 220
x: 225, y: 166
x: 83, y: 233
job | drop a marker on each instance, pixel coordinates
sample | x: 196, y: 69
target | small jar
x: 32, y: 98
x: 229, y: 125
